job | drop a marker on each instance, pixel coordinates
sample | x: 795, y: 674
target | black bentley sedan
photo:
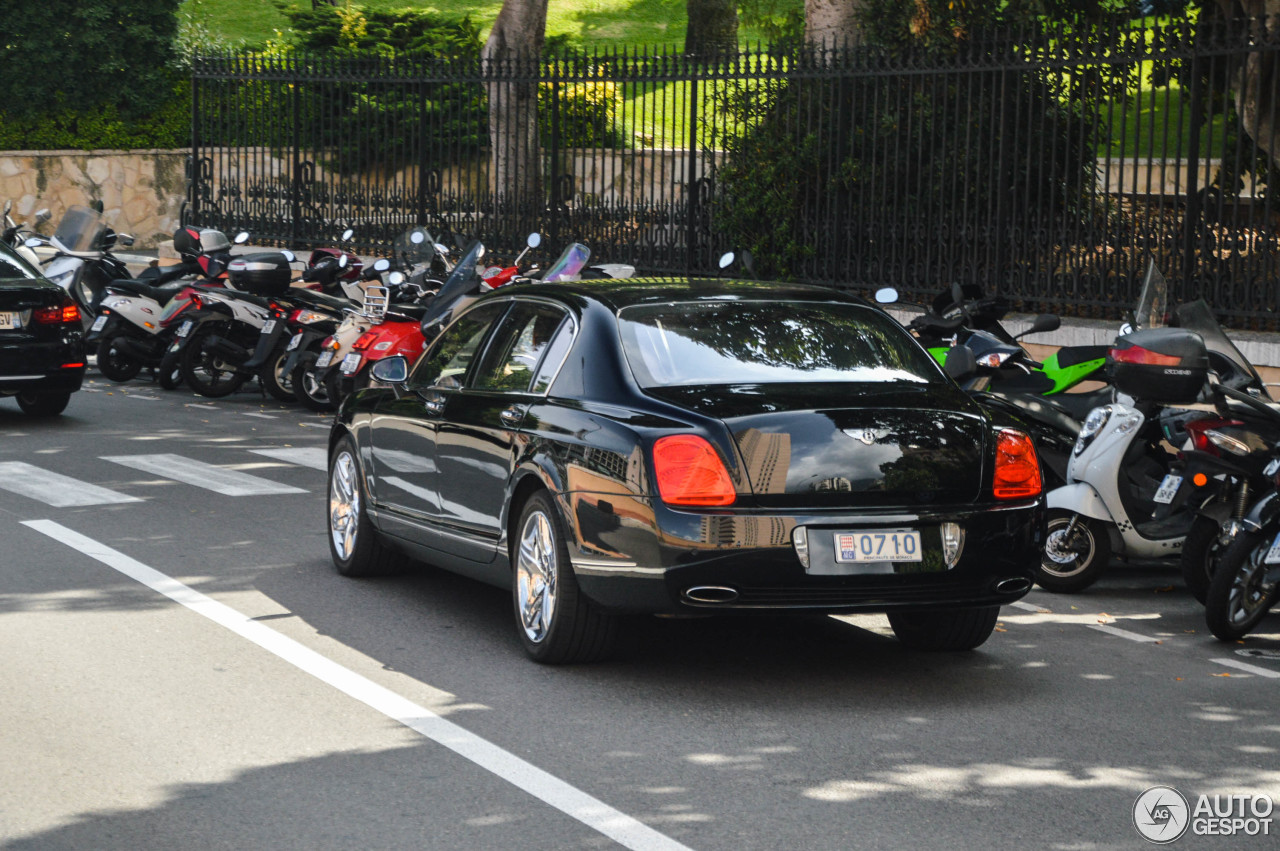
x: 688, y: 447
x: 42, y: 357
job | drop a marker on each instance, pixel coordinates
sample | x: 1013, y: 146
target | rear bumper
x: 39, y: 367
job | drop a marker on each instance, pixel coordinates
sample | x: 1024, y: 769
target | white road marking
x: 206, y: 407
x: 255, y: 414
x: 314, y: 425
x: 594, y: 813
x: 1028, y: 606
x: 54, y: 488
x: 1245, y: 666
x: 304, y: 456
x: 1124, y: 633
x: 201, y: 475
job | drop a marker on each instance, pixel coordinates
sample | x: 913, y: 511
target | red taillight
x: 1199, y: 439
x: 690, y: 472
x: 64, y: 314
x: 196, y: 301
x: 365, y: 341
x: 73, y: 365
x: 1017, y: 474
x: 1137, y: 354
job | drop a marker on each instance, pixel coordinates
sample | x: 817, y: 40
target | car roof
x: 621, y: 293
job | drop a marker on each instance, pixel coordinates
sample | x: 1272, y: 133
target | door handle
x: 512, y: 416
x: 433, y: 406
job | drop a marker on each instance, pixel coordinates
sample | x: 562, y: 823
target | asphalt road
x: 180, y: 667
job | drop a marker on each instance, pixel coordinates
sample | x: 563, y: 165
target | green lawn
x: 586, y: 22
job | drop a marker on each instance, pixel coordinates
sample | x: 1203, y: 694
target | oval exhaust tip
x: 1016, y: 585
x: 711, y: 594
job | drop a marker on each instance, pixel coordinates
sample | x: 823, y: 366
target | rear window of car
x: 768, y: 342
x: 13, y: 267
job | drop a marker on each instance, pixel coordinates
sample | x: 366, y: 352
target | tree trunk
x: 1256, y: 81
x: 510, y: 60
x: 712, y: 29
x: 832, y: 23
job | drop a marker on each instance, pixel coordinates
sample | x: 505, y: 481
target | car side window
x: 446, y: 363
x: 518, y: 346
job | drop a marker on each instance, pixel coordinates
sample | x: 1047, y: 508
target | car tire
x: 354, y: 544
x: 1239, y: 597
x: 114, y: 363
x: 277, y: 384
x: 205, y: 372
x: 1067, y: 567
x: 43, y: 404
x: 557, y: 625
x: 1200, y: 553
x: 945, y: 629
x: 308, y: 389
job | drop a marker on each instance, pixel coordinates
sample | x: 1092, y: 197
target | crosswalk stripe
x: 201, y: 475
x: 304, y: 456
x: 54, y: 488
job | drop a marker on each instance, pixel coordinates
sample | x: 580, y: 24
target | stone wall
x: 141, y: 191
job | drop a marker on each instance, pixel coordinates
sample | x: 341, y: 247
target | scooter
x: 1125, y: 490
x: 15, y: 235
x: 82, y: 263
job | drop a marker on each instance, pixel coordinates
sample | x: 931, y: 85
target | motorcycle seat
x: 410, y: 311
x: 161, y: 294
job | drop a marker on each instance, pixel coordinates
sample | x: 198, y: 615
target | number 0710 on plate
x: 900, y: 545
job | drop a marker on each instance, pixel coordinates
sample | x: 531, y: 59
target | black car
x: 688, y: 447
x: 42, y: 357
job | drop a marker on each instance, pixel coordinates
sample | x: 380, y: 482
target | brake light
x: 1017, y: 472
x: 1137, y: 354
x: 1198, y: 430
x: 365, y: 341
x: 64, y: 314
x: 690, y: 472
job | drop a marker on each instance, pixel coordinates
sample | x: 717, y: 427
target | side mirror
x: 43, y: 215
x: 241, y: 238
x: 124, y: 239
x: 534, y: 240
x: 442, y: 249
x: 726, y: 260
x: 392, y: 370
x: 347, y: 234
x: 382, y: 264
x: 289, y: 255
x: 343, y: 262
x: 33, y: 242
x: 417, y: 237
x: 886, y: 295
x: 8, y: 205
x: 1043, y: 322
x: 396, y: 278
x: 960, y: 362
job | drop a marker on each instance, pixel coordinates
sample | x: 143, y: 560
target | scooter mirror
x: 43, y: 215
x: 342, y: 262
x: 382, y: 264
x: 534, y: 240
x: 395, y: 278
x: 124, y: 239
x: 960, y: 362
x: 886, y: 295
x: 33, y: 242
x: 726, y: 260
x: 8, y: 205
x: 347, y: 234
x: 417, y: 237
x: 242, y: 237
x: 442, y: 249
x: 1043, y: 322
x: 289, y: 255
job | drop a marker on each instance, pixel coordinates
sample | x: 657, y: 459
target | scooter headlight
x: 1092, y: 425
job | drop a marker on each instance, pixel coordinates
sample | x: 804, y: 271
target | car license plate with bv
x: 9, y: 322
x: 860, y: 547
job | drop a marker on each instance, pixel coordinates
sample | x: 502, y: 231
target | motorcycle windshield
x: 414, y: 247
x: 1153, y: 302
x: 462, y: 280
x: 568, y: 265
x: 81, y: 229
x: 1197, y: 317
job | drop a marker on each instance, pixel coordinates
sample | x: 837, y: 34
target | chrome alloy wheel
x: 1251, y: 595
x: 344, y: 505
x: 536, y: 577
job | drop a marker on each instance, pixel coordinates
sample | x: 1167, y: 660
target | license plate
x: 860, y: 547
x: 98, y: 323
x: 1273, y: 554
x: 350, y: 363
x: 268, y: 326
x: 1168, y: 489
x: 9, y: 322
x: 185, y: 328
x: 324, y: 360
x: 294, y: 343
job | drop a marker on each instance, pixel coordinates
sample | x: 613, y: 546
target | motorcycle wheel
x: 1068, y: 566
x: 1201, y: 552
x: 274, y: 380
x: 205, y: 372
x: 169, y: 372
x: 1239, y: 595
x: 114, y: 363
x: 308, y: 389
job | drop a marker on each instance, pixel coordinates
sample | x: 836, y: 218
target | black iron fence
x: 1048, y: 165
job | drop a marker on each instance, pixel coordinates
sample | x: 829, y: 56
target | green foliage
x: 356, y: 30
x: 586, y: 114
x: 95, y: 55
x: 103, y: 127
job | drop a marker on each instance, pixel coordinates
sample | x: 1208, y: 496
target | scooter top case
x: 1165, y: 365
